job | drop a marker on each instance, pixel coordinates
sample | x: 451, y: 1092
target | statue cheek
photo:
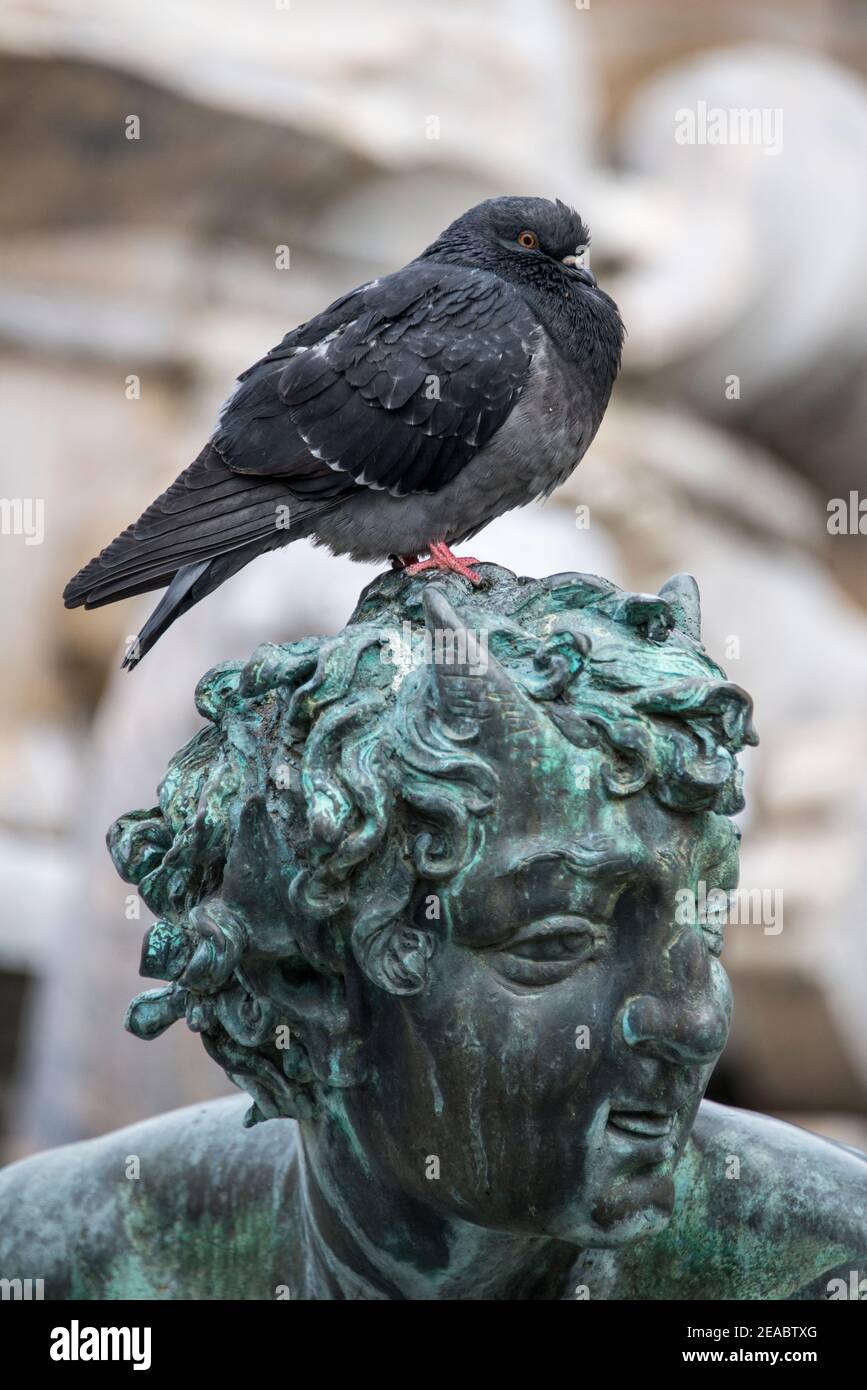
x: 562, y: 1040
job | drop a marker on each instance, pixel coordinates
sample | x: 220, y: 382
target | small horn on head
x: 470, y: 684
x: 681, y: 592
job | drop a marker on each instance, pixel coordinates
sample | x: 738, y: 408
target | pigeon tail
x: 170, y: 606
x: 208, y: 511
x: 191, y: 584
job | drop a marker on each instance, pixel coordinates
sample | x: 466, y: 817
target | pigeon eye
x: 528, y: 240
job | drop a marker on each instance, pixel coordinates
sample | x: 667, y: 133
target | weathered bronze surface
x: 425, y: 891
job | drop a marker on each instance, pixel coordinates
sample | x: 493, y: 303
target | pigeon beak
x: 584, y: 275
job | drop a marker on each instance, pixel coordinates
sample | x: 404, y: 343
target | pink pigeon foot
x: 441, y: 558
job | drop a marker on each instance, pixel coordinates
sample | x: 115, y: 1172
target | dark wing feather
x: 395, y: 386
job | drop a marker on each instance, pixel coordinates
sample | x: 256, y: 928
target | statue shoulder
x: 189, y: 1204
x: 780, y: 1212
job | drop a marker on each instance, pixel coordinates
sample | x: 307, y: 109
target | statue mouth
x: 642, y: 1124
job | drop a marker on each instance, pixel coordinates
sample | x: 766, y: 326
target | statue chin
x: 644, y: 1210
x: 624, y: 1213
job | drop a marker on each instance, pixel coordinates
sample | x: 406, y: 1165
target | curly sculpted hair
x: 338, y: 777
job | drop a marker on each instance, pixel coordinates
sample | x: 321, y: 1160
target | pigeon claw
x: 441, y: 558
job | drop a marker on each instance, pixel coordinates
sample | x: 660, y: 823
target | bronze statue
x: 421, y: 889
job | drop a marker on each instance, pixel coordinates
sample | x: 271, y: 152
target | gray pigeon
x: 400, y: 420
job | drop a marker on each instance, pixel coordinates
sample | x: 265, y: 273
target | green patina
x: 442, y: 747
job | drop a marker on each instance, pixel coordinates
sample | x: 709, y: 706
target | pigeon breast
x: 544, y: 438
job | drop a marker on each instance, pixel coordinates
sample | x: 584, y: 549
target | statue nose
x: 690, y: 1033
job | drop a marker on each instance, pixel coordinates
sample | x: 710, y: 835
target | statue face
x: 555, y: 1060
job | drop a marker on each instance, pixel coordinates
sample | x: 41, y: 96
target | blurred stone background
x: 139, y: 276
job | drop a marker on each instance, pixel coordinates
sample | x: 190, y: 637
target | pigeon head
x: 532, y: 240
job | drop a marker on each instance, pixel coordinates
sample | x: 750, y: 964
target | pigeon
x: 396, y: 423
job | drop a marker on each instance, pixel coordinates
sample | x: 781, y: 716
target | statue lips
x: 644, y: 1124
x: 643, y: 1130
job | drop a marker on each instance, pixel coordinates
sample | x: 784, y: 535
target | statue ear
x: 285, y: 972
x: 391, y: 951
x: 396, y: 957
x: 256, y: 877
x: 275, y: 1020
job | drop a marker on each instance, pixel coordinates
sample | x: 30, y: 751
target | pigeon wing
x: 400, y: 383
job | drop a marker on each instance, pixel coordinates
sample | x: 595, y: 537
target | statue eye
x: 529, y: 240
x: 549, y: 950
x: 562, y: 938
